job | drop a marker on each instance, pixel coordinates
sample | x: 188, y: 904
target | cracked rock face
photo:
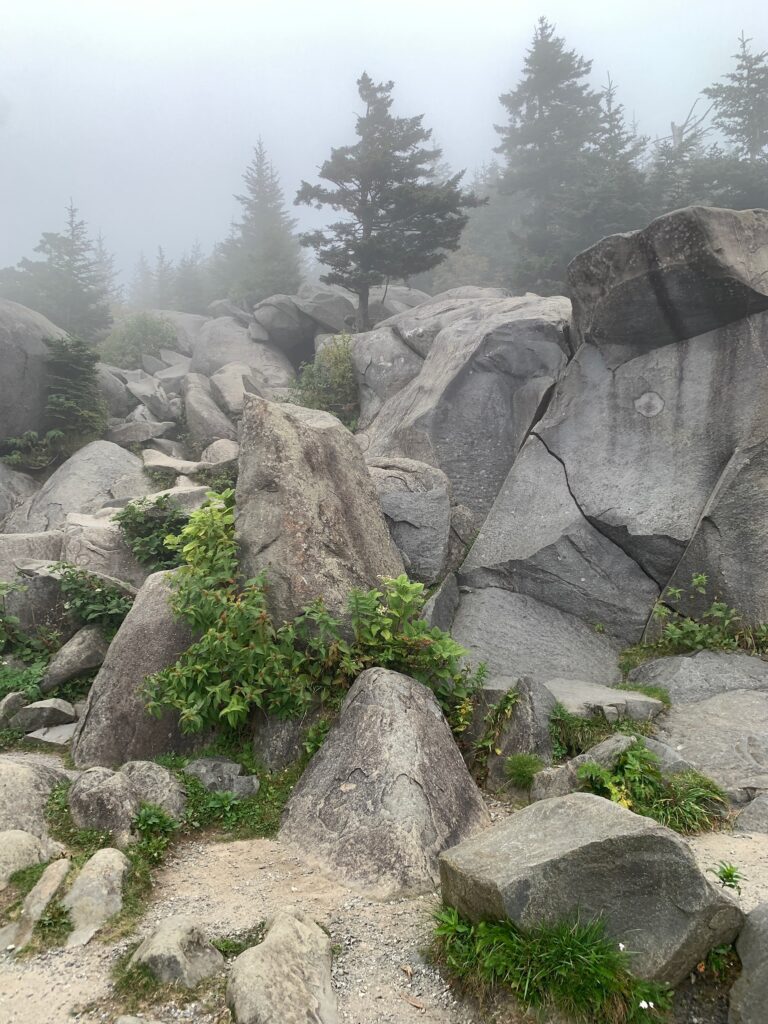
x: 387, y: 792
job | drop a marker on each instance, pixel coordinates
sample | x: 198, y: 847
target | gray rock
x: 223, y: 341
x: 16, y: 549
x: 15, y: 488
x: 171, y: 378
x: 582, y: 854
x: 116, y: 727
x: 152, y: 396
x: 388, y: 300
x: 419, y: 326
x: 415, y: 499
x: 687, y: 273
x: 587, y: 699
x: 126, y: 434
x: 278, y: 742
x: 96, y: 895
x: 383, y: 364
x: 9, y: 705
x: 53, y: 737
x: 84, y: 652
x: 478, y: 392
x: 173, y: 359
x: 749, y: 995
x: 43, y: 713
x: 220, y: 452
x: 286, y: 978
x: 151, y: 364
x: 227, y: 308
x: 38, y: 602
x: 670, y: 761
x: 97, y: 543
x: 118, y: 398
x: 230, y: 385
x: 188, y: 327
x: 288, y: 328
x: 725, y: 738
x: 386, y: 792
x: 24, y: 792
x: 94, y: 474
x: 205, y: 420
x: 154, y: 784
x: 440, y: 609
x: 464, y: 530
x: 104, y: 800
x: 307, y: 510
x: 564, y: 779
x: 19, y: 932
x: 536, y: 541
x: 23, y: 355
x: 177, y: 952
x: 692, y: 678
x: 515, y: 635
x: 330, y: 309
x: 19, y: 849
x: 754, y: 817
x: 218, y: 775
x: 159, y: 460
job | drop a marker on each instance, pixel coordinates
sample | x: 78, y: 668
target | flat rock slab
x: 19, y: 932
x: 96, y: 895
x: 583, y: 854
x: 56, y: 736
x: 43, y: 713
x: 587, y: 699
x: 754, y: 817
x: 749, y: 995
x: 692, y: 678
x: 725, y: 738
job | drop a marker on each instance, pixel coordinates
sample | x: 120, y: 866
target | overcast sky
x: 145, y: 112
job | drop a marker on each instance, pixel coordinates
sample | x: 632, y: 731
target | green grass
x: 569, y: 967
x: 231, y: 946
x: 655, y: 692
x: 572, y: 735
x: 521, y: 769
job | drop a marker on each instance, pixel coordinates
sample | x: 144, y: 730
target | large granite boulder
x: 24, y: 792
x: 307, y: 510
x: 229, y: 386
x: 187, y: 326
x: 204, y: 419
x: 330, y: 309
x: 15, y: 488
x: 221, y: 341
x: 581, y: 854
x: 23, y: 356
x: 690, y: 678
x: 177, y: 952
x: 96, y: 543
x: 749, y: 995
x: 480, y: 389
x: 687, y: 273
x: 18, y: 549
x: 383, y: 364
x: 288, y: 328
x: 92, y: 476
x: 115, y: 726
x: 85, y: 651
x: 387, y: 791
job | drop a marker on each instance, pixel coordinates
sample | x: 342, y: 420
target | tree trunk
x: 362, y: 308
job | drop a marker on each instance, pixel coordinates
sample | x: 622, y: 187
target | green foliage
x: 496, y: 717
x: 520, y: 769
x: 145, y: 525
x: 655, y: 692
x: 92, y: 599
x: 231, y: 946
x: 155, y: 829
x: 14, y: 641
x: 686, y: 802
x: 140, y: 334
x: 741, y: 103
x: 54, y: 925
x: 32, y: 451
x: 570, y: 967
x: 329, y: 382
x: 21, y: 680
x: 255, y: 816
x: 315, y: 736
x: 161, y: 476
x: 242, y: 661
x: 722, y: 964
x: 728, y: 875
x: 572, y: 735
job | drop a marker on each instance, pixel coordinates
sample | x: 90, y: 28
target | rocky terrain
x: 579, y: 484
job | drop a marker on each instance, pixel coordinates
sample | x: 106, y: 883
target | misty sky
x: 146, y: 112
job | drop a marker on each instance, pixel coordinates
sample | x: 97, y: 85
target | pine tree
x: 741, y: 103
x: 67, y: 285
x: 193, y: 292
x: 401, y: 218
x: 142, y: 284
x: 261, y: 256
x: 164, y: 281
x: 105, y: 261
x: 554, y: 124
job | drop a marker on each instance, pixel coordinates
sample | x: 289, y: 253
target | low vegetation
x: 571, y: 967
x: 521, y: 769
x: 139, y: 334
x: 329, y: 382
x: 146, y: 524
x: 92, y: 599
x: 572, y: 735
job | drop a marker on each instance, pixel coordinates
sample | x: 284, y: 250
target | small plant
x: 146, y: 525
x: 315, y: 736
x: 33, y: 451
x: 570, y: 967
x: 92, y: 599
x: 329, y: 382
x: 521, y: 769
x: 231, y: 946
x: 722, y: 963
x: 495, y: 719
x: 728, y: 875
x: 54, y: 925
x: 138, y: 335
x: 22, y: 680
x: 686, y: 802
x: 155, y: 830
x: 655, y: 692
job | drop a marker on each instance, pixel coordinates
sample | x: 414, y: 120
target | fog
x: 145, y: 113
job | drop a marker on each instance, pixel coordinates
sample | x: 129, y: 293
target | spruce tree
x: 142, y: 290
x: 164, y: 280
x: 401, y: 219
x: 741, y: 103
x: 192, y: 285
x: 105, y: 261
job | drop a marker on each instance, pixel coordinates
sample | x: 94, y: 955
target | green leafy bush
x: 572, y: 735
x: 329, y: 382
x: 521, y: 769
x: 92, y: 599
x: 155, y: 830
x: 569, y: 967
x: 145, y: 526
x: 31, y: 451
x: 686, y: 802
x: 22, y: 680
x: 140, y: 334
x: 242, y: 661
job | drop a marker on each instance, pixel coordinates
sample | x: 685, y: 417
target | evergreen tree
x: 261, y: 256
x: 554, y: 125
x: 401, y: 218
x: 142, y: 291
x: 678, y: 175
x: 67, y: 285
x: 105, y: 261
x: 193, y: 292
x: 741, y: 103
x: 164, y: 281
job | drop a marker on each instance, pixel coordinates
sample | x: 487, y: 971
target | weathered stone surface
x: 231, y: 383
x: 286, y: 978
x: 477, y: 394
x: 754, y: 817
x: 187, y: 326
x: 94, y: 474
x: 221, y: 341
x: 692, y: 678
x: 670, y: 761
x: 43, y: 713
x: 154, y: 784
x: 440, y: 609
x: 307, y: 509
x: 15, y: 488
x: 419, y: 326
x: 536, y: 541
x: 154, y: 459
x: 127, y: 434
x: 383, y: 364
x: 227, y: 308
x: 152, y: 396
x: 19, y: 850
x: 9, y: 705
x: 178, y: 952
x: 17, y: 549
x: 116, y: 727
x: 19, y: 932
x: 331, y: 310
x: 564, y: 779
x: 205, y: 420
x: 515, y: 636
x: 586, y: 699
x: 23, y: 355
x: 288, y: 328
x: 724, y: 737
x: 38, y: 602
x: 53, y: 737
x: 104, y: 800
x: 749, y: 995
x: 96, y: 543
x: 114, y: 392
x: 415, y: 499
x: 220, y: 452
x: 387, y: 791
x: 24, y: 792
x: 218, y: 775
x: 171, y: 378
x: 278, y: 742
x: 464, y: 530
x: 96, y: 895
x: 583, y: 854
x: 688, y: 272
x: 388, y: 300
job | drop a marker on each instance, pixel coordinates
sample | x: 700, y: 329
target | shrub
x: 572, y: 735
x: 686, y: 802
x: 140, y: 334
x: 242, y: 661
x: 520, y: 769
x: 146, y: 525
x: 329, y: 382
x: 22, y: 680
x: 569, y: 967
x: 92, y: 599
